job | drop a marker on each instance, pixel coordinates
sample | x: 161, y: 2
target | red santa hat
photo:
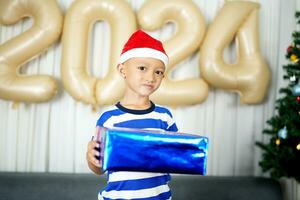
x: 142, y: 45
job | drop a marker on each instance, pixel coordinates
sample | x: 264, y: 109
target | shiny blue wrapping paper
x: 153, y: 151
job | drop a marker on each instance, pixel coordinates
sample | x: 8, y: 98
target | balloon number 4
x: 249, y: 76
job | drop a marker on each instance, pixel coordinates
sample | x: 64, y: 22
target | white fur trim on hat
x: 144, y: 53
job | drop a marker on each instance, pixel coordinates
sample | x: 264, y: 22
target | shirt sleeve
x: 173, y: 128
x: 106, y: 114
x: 172, y: 124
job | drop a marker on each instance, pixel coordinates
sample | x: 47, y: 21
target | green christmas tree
x: 281, y: 156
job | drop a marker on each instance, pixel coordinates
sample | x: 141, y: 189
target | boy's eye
x: 142, y: 68
x: 160, y: 73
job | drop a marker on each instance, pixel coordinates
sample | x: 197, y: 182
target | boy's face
x: 142, y: 75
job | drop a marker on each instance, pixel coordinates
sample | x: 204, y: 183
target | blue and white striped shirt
x: 137, y: 185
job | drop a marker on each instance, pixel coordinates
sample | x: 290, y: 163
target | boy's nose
x: 150, y: 77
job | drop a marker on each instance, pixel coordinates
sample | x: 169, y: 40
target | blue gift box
x: 152, y: 151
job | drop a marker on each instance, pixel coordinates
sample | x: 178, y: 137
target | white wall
x: 52, y: 136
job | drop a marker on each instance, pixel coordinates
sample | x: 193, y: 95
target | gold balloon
x: 74, y: 69
x: 45, y: 30
x: 250, y: 75
x: 190, y: 26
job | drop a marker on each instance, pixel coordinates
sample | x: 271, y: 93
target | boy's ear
x: 121, y: 70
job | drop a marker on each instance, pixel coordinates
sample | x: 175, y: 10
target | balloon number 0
x: 249, y: 76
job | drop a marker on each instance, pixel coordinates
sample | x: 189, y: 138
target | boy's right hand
x: 93, y: 152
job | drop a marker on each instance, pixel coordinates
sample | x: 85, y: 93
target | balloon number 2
x: 45, y: 31
x: 249, y: 76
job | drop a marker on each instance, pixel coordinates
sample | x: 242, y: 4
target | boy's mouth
x: 149, y: 86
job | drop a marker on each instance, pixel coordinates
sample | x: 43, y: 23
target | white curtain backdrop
x: 52, y: 136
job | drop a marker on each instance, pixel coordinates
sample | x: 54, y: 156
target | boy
x: 142, y: 65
